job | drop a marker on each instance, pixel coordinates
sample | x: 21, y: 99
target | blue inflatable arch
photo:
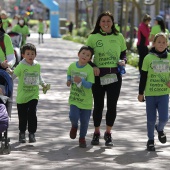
x: 54, y: 17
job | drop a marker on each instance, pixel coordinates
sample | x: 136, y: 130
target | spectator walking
x: 159, y: 26
x: 41, y: 30
x: 143, y: 39
x: 5, y: 20
x: 23, y: 29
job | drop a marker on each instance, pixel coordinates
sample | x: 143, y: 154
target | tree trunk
x: 77, y: 13
x: 111, y: 4
x: 132, y: 27
x: 126, y: 18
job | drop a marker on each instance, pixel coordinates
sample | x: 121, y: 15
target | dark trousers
x: 27, y: 116
x: 142, y: 51
x: 112, y: 91
x: 40, y: 38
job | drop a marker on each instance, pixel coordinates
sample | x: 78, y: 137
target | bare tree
x: 77, y: 13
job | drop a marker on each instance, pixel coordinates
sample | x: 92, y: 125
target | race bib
x: 108, y: 79
x: 160, y: 66
x: 31, y: 79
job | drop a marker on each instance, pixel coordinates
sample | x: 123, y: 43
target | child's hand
x: 77, y: 79
x: 141, y: 98
x: 68, y: 83
x: 46, y: 87
x: 9, y: 70
x: 121, y: 63
x: 168, y: 84
x: 96, y: 71
x: 4, y: 64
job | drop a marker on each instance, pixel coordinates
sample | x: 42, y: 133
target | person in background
x: 143, y: 39
x: 154, y: 87
x: 70, y: 27
x: 41, y: 30
x: 159, y: 26
x: 80, y: 77
x: 26, y: 18
x: 7, y: 56
x: 23, y: 29
x: 109, y: 52
x: 29, y: 75
x: 15, y: 21
x: 5, y: 20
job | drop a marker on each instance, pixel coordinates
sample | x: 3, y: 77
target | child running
x: 80, y: 76
x: 155, y: 86
x: 29, y: 74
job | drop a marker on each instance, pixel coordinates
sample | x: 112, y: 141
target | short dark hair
x: 28, y: 46
x: 87, y: 48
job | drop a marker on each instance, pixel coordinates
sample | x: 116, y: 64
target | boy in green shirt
x: 80, y: 77
x: 28, y: 72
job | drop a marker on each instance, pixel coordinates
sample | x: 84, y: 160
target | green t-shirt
x: 8, y: 48
x: 158, y: 75
x: 41, y: 27
x: 22, y: 30
x: 157, y: 29
x: 81, y: 96
x: 5, y: 24
x: 107, y: 49
x: 29, y: 80
x: 117, y: 27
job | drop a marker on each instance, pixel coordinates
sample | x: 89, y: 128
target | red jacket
x: 143, y: 34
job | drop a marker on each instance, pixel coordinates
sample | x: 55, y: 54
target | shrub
x: 132, y: 59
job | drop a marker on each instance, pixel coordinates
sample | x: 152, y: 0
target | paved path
x: 55, y: 151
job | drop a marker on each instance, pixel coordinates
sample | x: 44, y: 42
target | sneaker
x: 161, y: 135
x: 108, y: 139
x: 32, y: 138
x: 95, y: 140
x: 73, y: 132
x: 82, y: 143
x: 150, y: 145
x: 22, y: 138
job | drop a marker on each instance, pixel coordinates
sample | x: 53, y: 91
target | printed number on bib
x: 160, y: 66
x: 108, y: 79
x: 31, y: 79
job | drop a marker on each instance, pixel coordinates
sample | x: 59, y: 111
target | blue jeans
x: 156, y: 104
x: 83, y: 115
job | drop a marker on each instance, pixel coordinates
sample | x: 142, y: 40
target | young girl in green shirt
x: 155, y: 86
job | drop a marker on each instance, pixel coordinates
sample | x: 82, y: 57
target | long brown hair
x: 97, y: 26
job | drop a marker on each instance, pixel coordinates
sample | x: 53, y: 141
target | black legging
x: 142, y: 51
x: 112, y: 90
